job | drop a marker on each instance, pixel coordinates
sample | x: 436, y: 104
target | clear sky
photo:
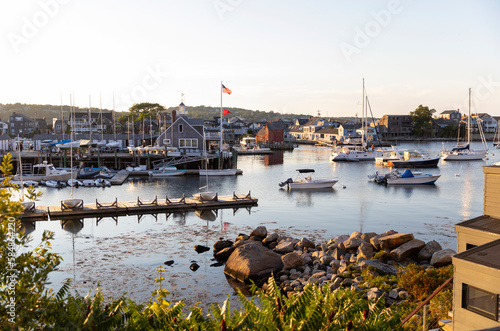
x: 289, y: 56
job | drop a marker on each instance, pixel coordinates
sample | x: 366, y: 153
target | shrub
x: 421, y: 282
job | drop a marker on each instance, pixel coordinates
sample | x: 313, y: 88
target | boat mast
x: 220, y: 144
x: 363, y: 117
x: 62, y: 118
x: 100, y: 105
x: 114, y: 120
x: 468, y: 124
x: 90, y: 122
x: 71, y: 102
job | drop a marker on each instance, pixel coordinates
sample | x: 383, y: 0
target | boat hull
x: 427, y: 163
x: 39, y: 178
x: 465, y: 156
x: 416, y: 180
x: 217, y: 172
x: 161, y: 174
x: 205, y: 196
x: 312, y: 184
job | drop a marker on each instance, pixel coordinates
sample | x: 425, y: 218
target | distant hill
x: 205, y: 112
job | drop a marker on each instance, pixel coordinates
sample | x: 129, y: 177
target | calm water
x: 123, y: 255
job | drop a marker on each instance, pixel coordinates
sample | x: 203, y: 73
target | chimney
x: 173, y: 116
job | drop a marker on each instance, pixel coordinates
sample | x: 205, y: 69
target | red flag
x: 225, y: 90
x: 226, y: 112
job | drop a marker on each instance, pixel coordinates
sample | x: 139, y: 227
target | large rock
x: 260, y: 231
x: 368, y: 235
x: 291, y: 260
x: 365, y: 250
x: 338, y: 253
x: 442, y: 257
x: 394, y: 240
x: 286, y: 246
x: 253, y: 261
x: 352, y: 243
x: 341, y: 238
x: 224, y: 253
x: 430, y: 248
x: 305, y: 243
x: 221, y: 244
x: 271, y: 238
x: 409, y: 249
x: 375, y: 240
x: 381, y: 267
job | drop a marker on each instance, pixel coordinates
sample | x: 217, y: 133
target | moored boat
x: 308, y: 182
x: 406, y: 178
x: 414, y: 159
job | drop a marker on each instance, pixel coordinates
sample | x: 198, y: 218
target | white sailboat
x: 205, y: 194
x: 465, y: 153
x: 219, y: 171
x: 71, y: 202
x: 355, y: 153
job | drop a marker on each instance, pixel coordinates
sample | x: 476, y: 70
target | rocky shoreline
x: 338, y: 262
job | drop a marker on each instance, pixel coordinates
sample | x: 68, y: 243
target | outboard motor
x: 289, y: 180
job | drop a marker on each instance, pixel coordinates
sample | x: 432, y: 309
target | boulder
x: 260, y: 231
x: 318, y: 255
x: 365, y: 250
x: 253, y: 261
x: 271, y: 238
x: 394, y: 240
x: 375, y: 240
x: 368, y: 235
x: 352, y: 243
x: 442, y: 257
x: 200, y: 248
x: 341, y: 238
x: 221, y: 244
x: 338, y: 253
x: 305, y: 243
x: 355, y: 235
x: 430, y: 248
x: 291, y: 260
x: 285, y: 246
x: 224, y: 254
x: 381, y: 267
x: 407, y: 250
x: 374, y: 294
x: 194, y: 266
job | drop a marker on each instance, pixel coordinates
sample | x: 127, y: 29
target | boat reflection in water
x: 207, y: 215
x: 72, y: 225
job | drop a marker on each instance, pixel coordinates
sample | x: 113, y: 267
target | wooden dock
x: 119, y: 178
x: 123, y: 208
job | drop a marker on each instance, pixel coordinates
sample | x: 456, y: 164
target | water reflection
x: 72, y: 225
x: 408, y: 190
x: 27, y: 227
x: 306, y: 197
x: 273, y: 159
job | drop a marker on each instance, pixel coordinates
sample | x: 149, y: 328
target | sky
x: 288, y: 56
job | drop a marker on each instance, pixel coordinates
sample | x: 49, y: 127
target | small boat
x: 353, y: 154
x: 54, y: 183
x: 166, y: 172
x: 74, y: 183
x: 308, y: 181
x: 217, y: 172
x: 113, y: 144
x: 44, y: 172
x: 414, y: 159
x: 72, y: 203
x: 205, y: 196
x: 87, y: 173
x: 406, y: 178
x: 102, y: 182
x: 88, y: 182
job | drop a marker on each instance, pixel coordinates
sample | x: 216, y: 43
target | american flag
x: 225, y: 90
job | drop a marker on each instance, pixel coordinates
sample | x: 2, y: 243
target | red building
x: 272, y: 132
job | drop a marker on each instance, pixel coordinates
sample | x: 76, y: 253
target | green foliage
x: 422, y: 121
x: 421, y: 282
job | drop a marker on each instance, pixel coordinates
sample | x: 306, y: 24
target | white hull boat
x: 160, y: 174
x: 46, y: 172
x: 466, y: 154
x: 88, y: 182
x: 354, y: 154
x: 55, y: 183
x: 102, y: 182
x: 72, y: 203
x: 74, y: 183
x: 406, y: 178
x: 205, y: 196
x: 308, y: 182
x: 217, y: 172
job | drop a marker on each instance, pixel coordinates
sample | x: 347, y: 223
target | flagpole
x: 220, y: 149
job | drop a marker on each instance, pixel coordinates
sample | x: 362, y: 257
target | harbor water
x: 122, y: 255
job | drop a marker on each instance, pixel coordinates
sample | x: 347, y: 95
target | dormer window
x: 180, y: 128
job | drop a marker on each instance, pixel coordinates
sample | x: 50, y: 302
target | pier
x: 124, y: 208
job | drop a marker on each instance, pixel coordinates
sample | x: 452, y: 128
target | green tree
x: 422, y: 121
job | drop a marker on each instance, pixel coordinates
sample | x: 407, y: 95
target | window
x: 180, y: 127
x: 480, y: 301
x: 469, y: 246
x: 188, y: 143
x: 166, y: 141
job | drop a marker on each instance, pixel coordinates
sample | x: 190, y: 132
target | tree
x: 422, y: 120
x: 146, y: 110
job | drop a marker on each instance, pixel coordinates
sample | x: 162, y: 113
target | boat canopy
x: 460, y: 149
x: 302, y: 171
x: 407, y: 174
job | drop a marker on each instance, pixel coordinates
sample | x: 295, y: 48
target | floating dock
x: 123, y: 208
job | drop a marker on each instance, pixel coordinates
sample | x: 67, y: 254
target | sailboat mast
x: 220, y: 144
x: 71, y: 145
x: 90, y: 121
x: 62, y: 118
x: 468, y: 123
x: 114, y: 120
x: 100, y: 107
x: 363, y: 117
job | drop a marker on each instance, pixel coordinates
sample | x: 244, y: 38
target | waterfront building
x: 21, y: 125
x: 271, y: 132
x: 451, y: 115
x: 4, y: 128
x: 395, y: 126
x: 476, y: 293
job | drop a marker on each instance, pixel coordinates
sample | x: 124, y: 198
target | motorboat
x: 406, y: 178
x: 354, y: 153
x: 388, y: 155
x: 102, y: 182
x: 166, y: 172
x: 54, y: 183
x: 74, y: 183
x: 69, y: 145
x: 217, y: 172
x: 414, y: 159
x: 44, y: 172
x: 87, y: 173
x: 308, y: 181
x: 24, y: 183
x: 88, y: 182
x: 113, y: 145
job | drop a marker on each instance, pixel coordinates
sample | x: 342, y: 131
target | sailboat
x: 355, y: 153
x: 72, y: 203
x: 465, y: 153
x: 219, y: 171
x: 205, y: 194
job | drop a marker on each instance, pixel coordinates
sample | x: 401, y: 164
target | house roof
x: 487, y: 255
x: 295, y: 128
x: 449, y: 111
x: 279, y: 125
x: 5, y: 137
x: 302, y: 121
